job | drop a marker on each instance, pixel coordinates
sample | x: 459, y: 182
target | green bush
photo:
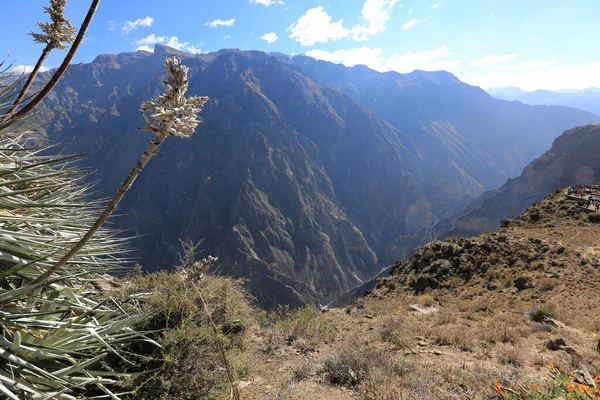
x: 188, y: 364
x: 594, y: 218
x: 542, y: 313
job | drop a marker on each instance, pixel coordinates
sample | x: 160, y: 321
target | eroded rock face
x: 294, y: 184
x: 572, y: 160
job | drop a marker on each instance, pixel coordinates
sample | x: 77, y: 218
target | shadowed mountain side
x: 572, y: 160
x: 295, y: 186
x: 464, y: 135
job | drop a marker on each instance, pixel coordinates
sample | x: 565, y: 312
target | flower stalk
x: 56, y: 34
x: 169, y: 114
x: 10, y: 119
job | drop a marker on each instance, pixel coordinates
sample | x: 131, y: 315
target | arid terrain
x: 511, y: 307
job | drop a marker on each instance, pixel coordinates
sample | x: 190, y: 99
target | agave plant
x: 55, y: 339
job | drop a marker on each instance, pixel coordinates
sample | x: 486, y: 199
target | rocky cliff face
x: 572, y: 160
x: 297, y: 186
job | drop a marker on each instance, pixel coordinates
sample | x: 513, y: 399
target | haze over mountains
x: 306, y: 176
x: 585, y: 99
x: 572, y: 160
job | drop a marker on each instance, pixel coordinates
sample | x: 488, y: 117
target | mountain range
x: 306, y: 177
x: 585, y: 99
x: 572, y: 160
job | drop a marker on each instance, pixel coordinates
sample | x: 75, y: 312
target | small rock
x: 437, y: 353
x: 422, y: 343
x: 368, y: 316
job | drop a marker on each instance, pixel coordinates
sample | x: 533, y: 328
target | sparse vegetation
x: 542, y: 313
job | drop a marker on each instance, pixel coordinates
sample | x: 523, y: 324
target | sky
x: 531, y: 44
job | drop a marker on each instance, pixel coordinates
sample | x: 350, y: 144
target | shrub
x: 426, y: 300
x: 542, y: 313
x: 303, y: 327
x: 594, y: 218
x: 522, y: 282
x: 188, y: 363
x: 349, y: 367
x: 546, y: 284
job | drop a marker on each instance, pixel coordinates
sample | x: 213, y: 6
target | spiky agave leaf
x: 53, y: 341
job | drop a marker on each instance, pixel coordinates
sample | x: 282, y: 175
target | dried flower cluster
x: 173, y: 111
x: 59, y: 31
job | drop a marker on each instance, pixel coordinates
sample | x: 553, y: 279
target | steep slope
x: 466, y: 136
x: 572, y: 160
x: 296, y: 187
x: 586, y: 99
x: 491, y: 317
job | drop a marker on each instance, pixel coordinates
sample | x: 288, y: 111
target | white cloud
x: 410, y: 12
x: 144, y: 43
x: 113, y: 24
x: 316, y: 27
x: 376, y: 13
x: 374, y: 58
x: 220, y: 22
x: 131, y: 25
x: 25, y: 69
x: 436, y: 5
x: 267, y: 2
x: 548, y: 76
x: 411, y: 23
x: 145, y: 48
x: 269, y: 37
x: 226, y: 37
x: 492, y: 59
x: 527, y: 65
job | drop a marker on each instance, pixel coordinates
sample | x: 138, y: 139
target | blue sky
x: 533, y: 44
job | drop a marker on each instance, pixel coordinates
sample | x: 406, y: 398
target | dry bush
x: 302, y: 327
x: 546, y: 284
x: 394, y: 331
x: 426, y: 300
x: 457, y: 336
x: 508, y: 354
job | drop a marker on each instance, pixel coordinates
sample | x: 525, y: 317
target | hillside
x: 298, y: 187
x: 512, y: 307
x: 572, y: 160
x: 586, y: 99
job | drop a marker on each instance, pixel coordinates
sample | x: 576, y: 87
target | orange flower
x: 582, y: 388
x: 497, y: 386
x: 597, y: 379
x: 570, y: 387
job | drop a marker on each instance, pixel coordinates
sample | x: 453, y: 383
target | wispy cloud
x: 220, y: 22
x: 131, y: 25
x: 548, y: 76
x: 269, y: 37
x: 25, y: 69
x: 527, y: 65
x: 411, y: 23
x: 492, y: 59
x: 226, y: 37
x: 145, y: 43
x: 267, y: 2
x: 436, y: 5
x: 433, y: 60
